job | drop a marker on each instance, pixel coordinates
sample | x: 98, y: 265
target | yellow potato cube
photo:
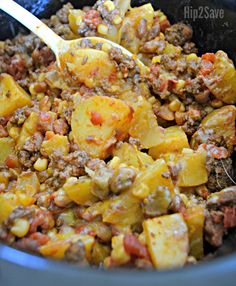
x: 192, y: 169
x: 28, y: 183
x: 7, y: 147
x: 131, y: 156
x: 41, y: 164
x: 28, y: 129
x: 6, y: 207
x: 12, y: 96
x: 194, y: 217
x: 175, y: 140
x: 118, y: 253
x: 132, y: 19
x: 98, y: 122
x: 80, y: 191
x: 144, y: 125
x: 57, y: 144
x: 21, y: 227
x: 167, y: 240
x: 156, y: 175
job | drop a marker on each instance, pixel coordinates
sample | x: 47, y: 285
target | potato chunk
x: 131, y: 156
x: 6, y: 207
x: 99, y: 122
x: 222, y: 79
x: 57, y: 144
x: 75, y: 18
x: 28, y: 183
x: 217, y: 125
x: 175, y: 140
x: 144, y: 125
x: 194, y: 217
x: 12, y: 96
x: 192, y: 169
x: 80, y: 191
x: 7, y: 147
x: 88, y: 66
x: 167, y: 240
x: 57, y: 247
x: 28, y: 129
x: 129, y: 37
x: 156, y: 175
x: 122, y: 211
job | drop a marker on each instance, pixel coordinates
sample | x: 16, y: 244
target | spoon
x: 78, y: 64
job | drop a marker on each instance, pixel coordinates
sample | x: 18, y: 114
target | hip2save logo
x: 202, y: 12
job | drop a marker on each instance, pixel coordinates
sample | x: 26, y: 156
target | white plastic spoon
x: 78, y: 65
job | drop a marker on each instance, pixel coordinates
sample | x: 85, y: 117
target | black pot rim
x: 223, y: 265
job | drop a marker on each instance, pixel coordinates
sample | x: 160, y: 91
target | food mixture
x: 129, y: 167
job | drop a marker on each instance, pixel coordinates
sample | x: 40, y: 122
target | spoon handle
x: 31, y: 22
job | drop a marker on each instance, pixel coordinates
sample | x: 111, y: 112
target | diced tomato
x: 216, y: 152
x: 206, y: 67
x: 112, y: 76
x: 172, y: 84
x: 12, y: 162
x: 49, y: 135
x: 163, y: 84
x: 209, y: 57
x: 164, y: 25
x: 134, y: 247
x: 44, y: 116
x: 96, y: 118
x: 39, y: 237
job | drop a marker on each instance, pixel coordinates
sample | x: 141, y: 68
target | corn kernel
x: 162, y: 36
x: 180, y: 84
x: 162, y: 18
x: 40, y: 95
x: 216, y: 103
x: 184, y: 198
x: 4, y: 179
x: 182, y: 108
x: 41, y: 164
x: 123, y: 165
x: 152, y: 100
x: 175, y: 105
x: 114, y: 163
x: 14, y: 132
x: 191, y: 57
x: 141, y: 192
x: 142, y: 238
x: 109, y: 5
x: 117, y: 20
x: 31, y: 90
x: 102, y: 29
x: 42, y: 188
x: 106, y: 47
x: 187, y: 151
x: 156, y: 60
x: 20, y: 228
x: 71, y: 180
x: 208, y: 109
x: 52, y: 232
